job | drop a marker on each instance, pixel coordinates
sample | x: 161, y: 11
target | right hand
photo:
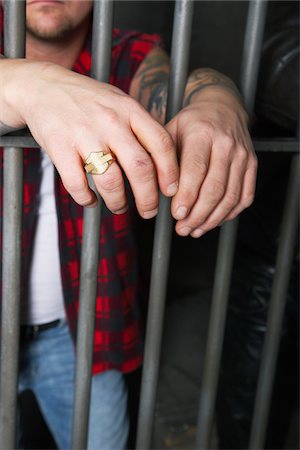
x: 71, y: 115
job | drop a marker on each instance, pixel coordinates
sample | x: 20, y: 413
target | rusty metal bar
x: 101, y: 55
x: 14, y: 47
x: 226, y: 248
x: 163, y: 232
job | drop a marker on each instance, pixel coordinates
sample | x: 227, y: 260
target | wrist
x: 223, y: 95
x: 12, y: 97
x: 17, y: 80
x: 206, y: 82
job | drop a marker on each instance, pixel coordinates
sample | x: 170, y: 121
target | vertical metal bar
x: 253, y: 41
x: 276, y: 312
x: 215, y: 336
x: 14, y: 47
x: 102, y: 39
x: 182, y: 27
x: 101, y: 56
x: 210, y: 377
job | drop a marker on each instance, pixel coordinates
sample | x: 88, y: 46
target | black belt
x: 32, y: 331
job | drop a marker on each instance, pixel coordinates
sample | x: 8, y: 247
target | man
x: 72, y: 116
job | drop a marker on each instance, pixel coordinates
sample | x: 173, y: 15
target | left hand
x: 218, y: 164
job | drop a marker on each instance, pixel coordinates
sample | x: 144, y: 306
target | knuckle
x: 254, y: 161
x: 76, y: 185
x: 148, y: 204
x: 112, y: 117
x: 248, y: 199
x: 132, y: 104
x: 206, y: 131
x: 232, y: 198
x: 166, y: 142
x: 84, y: 201
x: 111, y: 183
x: 200, y: 167
x: 210, y: 224
x: 227, y: 142
x: 243, y: 155
x: 117, y: 206
x: 215, y: 189
x: 142, y: 169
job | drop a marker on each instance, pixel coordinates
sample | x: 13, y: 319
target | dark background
x: 217, y: 36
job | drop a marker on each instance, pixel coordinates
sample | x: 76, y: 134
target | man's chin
x: 49, y: 32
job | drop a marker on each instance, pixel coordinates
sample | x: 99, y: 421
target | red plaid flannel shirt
x: 117, y: 340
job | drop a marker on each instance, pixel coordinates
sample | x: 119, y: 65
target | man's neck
x: 63, y: 53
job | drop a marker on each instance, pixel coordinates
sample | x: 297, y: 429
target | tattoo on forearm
x: 158, y: 96
x: 202, y: 78
x: 153, y: 84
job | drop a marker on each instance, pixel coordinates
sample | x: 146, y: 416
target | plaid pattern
x: 117, y: 340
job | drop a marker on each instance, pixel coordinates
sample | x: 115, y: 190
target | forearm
x: 204, y: 80
x: 150, y: 86
x: 11, y: 98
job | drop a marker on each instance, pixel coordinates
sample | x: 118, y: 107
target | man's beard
x: 59, y: 33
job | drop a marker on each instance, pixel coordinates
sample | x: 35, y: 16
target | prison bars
x: 163, y: 232
x: 282, y: 145
x: 276, y: 310
x: 101, y: 56
x: 14, y: 47
x: 249, y: 72
x: 161, y: 252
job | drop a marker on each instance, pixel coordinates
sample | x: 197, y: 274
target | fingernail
x: 197, y: 233
x: 184, y: 231
x: 149, y: 214
x: 172, y: 188
x: 181, y: 213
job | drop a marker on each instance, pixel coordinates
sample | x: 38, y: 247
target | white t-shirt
x: 45, y: 299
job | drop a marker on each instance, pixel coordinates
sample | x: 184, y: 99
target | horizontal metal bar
x: 18, y: 141
x: 276, y: 145
x: 285, y: 145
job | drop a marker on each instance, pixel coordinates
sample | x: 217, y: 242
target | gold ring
x: 98, y: 162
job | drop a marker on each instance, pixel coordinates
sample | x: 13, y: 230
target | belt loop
x: 35, y: 331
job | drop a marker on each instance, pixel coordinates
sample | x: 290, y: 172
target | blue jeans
x: 47, y: 368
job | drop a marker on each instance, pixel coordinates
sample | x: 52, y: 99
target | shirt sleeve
x: 129, y: 49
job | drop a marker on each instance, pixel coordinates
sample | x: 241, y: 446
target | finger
x: 248, y: 191
x: 229, y: 201
x: 211, y: 193
x: 73, y: 176
x: 140, y: 171
x: 194, y: 163
x: 157, y: 141
x: 111, y: 188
